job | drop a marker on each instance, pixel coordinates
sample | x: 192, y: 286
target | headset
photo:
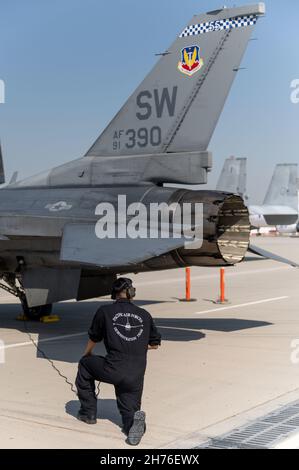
x: 123, y: 283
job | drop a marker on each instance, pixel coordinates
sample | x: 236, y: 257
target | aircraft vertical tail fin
x: 177, y: 105
x: 283, y: 189
x: 233, y: 176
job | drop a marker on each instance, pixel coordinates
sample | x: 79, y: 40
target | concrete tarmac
x: 219, y: 366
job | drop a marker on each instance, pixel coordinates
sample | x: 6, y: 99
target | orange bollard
x: 222, y: 285
x: 222, y: 299
x: 188, y: 284
x: 188, y: 287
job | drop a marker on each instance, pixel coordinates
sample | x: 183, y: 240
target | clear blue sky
x: 69, y: 65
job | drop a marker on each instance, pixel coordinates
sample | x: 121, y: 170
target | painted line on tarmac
x: 247, y: 304
x: 58, y: 338
x: 207, y: 276
x: 45, y: 340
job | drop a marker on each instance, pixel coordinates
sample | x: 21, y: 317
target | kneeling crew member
x: 128, y: 332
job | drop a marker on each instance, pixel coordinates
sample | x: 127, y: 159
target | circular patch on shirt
x: 128, y: 326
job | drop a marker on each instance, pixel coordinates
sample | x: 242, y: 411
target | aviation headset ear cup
x: 131, y: 292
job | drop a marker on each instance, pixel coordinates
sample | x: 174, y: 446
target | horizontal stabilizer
x: 268, y: 255
x: 80, y: 244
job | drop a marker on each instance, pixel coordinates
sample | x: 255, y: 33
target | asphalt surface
x: 219, y: 366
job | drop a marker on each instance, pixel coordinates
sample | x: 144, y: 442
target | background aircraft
x: 290, y: 229
x: 233, y: 177
x: 280, y: 205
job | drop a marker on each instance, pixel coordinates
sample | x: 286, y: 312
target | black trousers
x: 128, y: 385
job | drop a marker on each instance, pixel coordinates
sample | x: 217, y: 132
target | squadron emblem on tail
x: 190, y: 61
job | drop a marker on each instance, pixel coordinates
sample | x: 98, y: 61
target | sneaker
x: 86, y: 419
x: 137, y: 429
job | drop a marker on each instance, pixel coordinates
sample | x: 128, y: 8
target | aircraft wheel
x: 35, y: 313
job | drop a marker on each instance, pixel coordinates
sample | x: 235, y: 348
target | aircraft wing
x: 80, y: 244
x: 274, y: 215
x: 268, y: 255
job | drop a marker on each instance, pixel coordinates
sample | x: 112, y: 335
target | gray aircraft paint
x: 129, y: 169
x: 280, y: 205
x: 281, y: 201
x: 283, y: 187
x: 110, y: 252
x: 233, y: 177
x: 171, y: 117
x: 180, y: 111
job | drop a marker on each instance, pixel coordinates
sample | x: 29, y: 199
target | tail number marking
x: 156, y: 104
x: 141, y: 138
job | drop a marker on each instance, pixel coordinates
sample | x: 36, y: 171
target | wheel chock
x: 22, y: 317
x: 49, y: 319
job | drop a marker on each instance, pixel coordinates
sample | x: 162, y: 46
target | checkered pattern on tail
x: 220, y: 25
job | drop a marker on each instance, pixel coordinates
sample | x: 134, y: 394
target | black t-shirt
x: 124, y: 328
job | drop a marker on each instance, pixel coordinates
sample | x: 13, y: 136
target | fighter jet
x: 233, y: 177
x: 288, y: 229
x: 293, y: 228
x: 49, y: 247
x: 280, y: 205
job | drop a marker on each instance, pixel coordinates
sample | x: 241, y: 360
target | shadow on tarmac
x: 107, y: 409
x: 226, y: 325
x: 76, y: 319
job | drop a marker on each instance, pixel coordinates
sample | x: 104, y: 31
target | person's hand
x: 87, y: 354
x: 153, y: 346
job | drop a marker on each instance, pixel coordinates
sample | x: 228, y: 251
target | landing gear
x: 36, y: 313
x: 14, y: 286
